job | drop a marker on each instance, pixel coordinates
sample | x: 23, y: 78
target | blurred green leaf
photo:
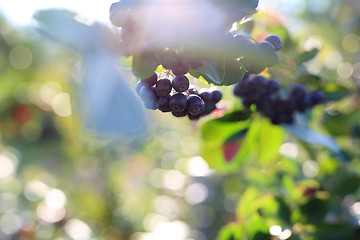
x: 215, y: 134
x: 312, y: 137
x: 231, y: 231
x: 336, y: 232
x: 306, y: 56
x: 315, y: 210
x: 268, y: 150
x: 246, y: 208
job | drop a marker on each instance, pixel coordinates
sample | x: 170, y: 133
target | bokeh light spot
x: 20, y: 57
x: 77, y: 229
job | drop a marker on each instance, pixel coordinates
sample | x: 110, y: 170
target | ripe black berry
x: 316, y: 97
x: 150, y: 81
x: 272, y: 85
x: 216, y: 95
x: 138, y: 87
x: 259, y: 83
x: 209, y: 108
x: 275, y: 40
x: 180, y: 69
x: 269, y: 55
x: 169, y: 59
x: 148, y: 94
x: 297, y: 91
x: 119, y: 14
x: 180, y: 83
x: 179, y: 114
x: 178, y: 102
x: 163, y: 104
x: 205, y: 95
x: 151, y: 104
x: 195, y: 105
x: 163, y: 87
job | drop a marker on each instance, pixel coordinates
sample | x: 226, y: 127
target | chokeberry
x: 150, y: 81
x: 272, y: 85
x: 205, y: 95
x: 275, y: 40
x: 180, y: 69
x: 216, y: 95
x: 178, y: 102
x: 179, y: 114
x: 163, y: 104
x: 180, y: 83
x: 316, y: 97
x: 138, y: 87
x: 195, y: 105
x: 163, y: 87
x: 169, y: 59
x: 148, y: 94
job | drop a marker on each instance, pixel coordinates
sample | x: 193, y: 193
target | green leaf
x: 306, y: 56
x: 246, y: 208
x: 268, y: 150
x: 144, y: 64
x: 224, y: 71
x: 312, y: 137
x: 314, y: 82
x: 231, y: 231
x: 336, y: 232
x: 315, y: 210
x: 235, y: 116
x: 215, y: 135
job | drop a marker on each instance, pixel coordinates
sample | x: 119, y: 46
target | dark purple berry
x: 163, y: 104
x: 205, y: 95
x: 138, y: 87
x: 297, y: 91
x: 119, y: 14
x: 180, y: 69
x: 259, y: 83
x: 180, y: 83
x: 195, y: 105
x: 269, y: 55
x: 272, y: 86
x: 303, y: 103
x: 148, y: 94
x: 275, y: 40
x: 169, y: 59
x: 179, y: 114
x: 193, y: 117
x: 193, y: 91
x: 209, y: 108
x: 316, y: 97
x: 150, y: 81
x: 151, y: 104
x: 163, y: 87
x: 178, y: 102
x: 216, y: 95
x: 241, y: 88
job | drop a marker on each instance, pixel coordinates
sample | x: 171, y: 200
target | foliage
x: 229, y: 176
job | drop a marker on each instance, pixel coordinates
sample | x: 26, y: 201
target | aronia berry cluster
x: 265, y: 95
x: 176, y: 97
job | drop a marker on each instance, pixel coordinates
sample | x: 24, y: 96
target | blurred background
x: 77, y: 161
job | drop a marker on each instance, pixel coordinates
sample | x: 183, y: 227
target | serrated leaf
x: 224, y: 71
x: 312, y: 137
x: 306, y: 56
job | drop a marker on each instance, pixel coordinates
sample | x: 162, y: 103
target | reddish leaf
x: 230, y: 149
